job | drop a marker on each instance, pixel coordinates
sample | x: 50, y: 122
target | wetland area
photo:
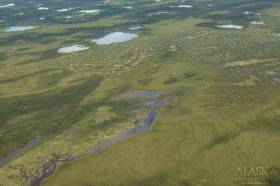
x: 134, y: 93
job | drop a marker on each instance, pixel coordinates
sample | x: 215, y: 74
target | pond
x: 19, y: 28
x: 136, y: 27
x: 7, y: 5
x: 115, y: 37
x: 182, y: 6
x: 72, y: 49
x: 43, y: 8
x: 89, y: 11
x: 230, y: 26
x: 257, y: 23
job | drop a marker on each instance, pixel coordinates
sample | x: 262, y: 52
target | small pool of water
x: 64, y: 9
x: 128, y: 7
x: 7, y: 5
x: 136, y: 27
x: 72, y: 49
x: 257, y: 23
x: 89, y: 11
x: 182, y: 6
x: 115, y: 37
x: 43, y: 8
x: 19, y: 28
x: 230, y: 26
x: 145, y: 94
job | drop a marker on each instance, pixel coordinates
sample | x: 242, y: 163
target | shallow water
x: 257, y: 23
x: 43, y: 8
x: 182, y: 6
x: 137, y: 27
x: 128, y: 7
x: 154, y: 105
x: 7, y: 5
x: 89, y: 11
x: 19, y: 28
x: 72, y: 49
x: 115, y: 37
x: 144, y: 127
x: 15, y: 153
x: 230, y: 26
x: 145, y: 94
x: 64, y: 10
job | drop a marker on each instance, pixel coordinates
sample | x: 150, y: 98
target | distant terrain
x: 139, y: 92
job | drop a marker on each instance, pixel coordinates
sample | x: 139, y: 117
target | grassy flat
x: 218, y: 86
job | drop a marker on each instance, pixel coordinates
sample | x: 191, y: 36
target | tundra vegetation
x: 205, y: 73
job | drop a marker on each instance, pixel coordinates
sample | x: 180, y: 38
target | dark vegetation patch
x: 145, y: 15
x: 262, y: 123
x: 146, y: 81
x: 171, y: 80
x: 159, y: 179
x: 51, y: 79
x: 184, y: 183
x: 46, y: 38
x: 188, y: 74
x: 31, y: 37
x: 121, y: 89
x: 48, y: 114
x: 269, y: 122
x: 184, y: 76
x: 23, y: 49
x: 222, y: 139
x: 47, y: 76
x: 3, y: 56
x: 56, y: 112
x: 126, y: 106
x: 40, y: 56
x: 14, y: 79
x: 47, y: 54
x: 140, y: 15
x: 168, y: 54
x: 273, y: 177
x: 236, y: 11
x: 152, y: 70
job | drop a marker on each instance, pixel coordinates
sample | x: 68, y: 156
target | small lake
x: 136, y: 27
x: 19, y: 28
x: 43, y: 8
x: 64, y: 9
x: 115, y: 37
x: 145, y: 94
x: 89, y: 11
x: 72, y: 49
x: 7, y: 5
x: 182, y: 6
x: 257, y: 23
x: 230, y: 26
x: 128, y: 7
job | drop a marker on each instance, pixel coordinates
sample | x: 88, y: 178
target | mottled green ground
x: 222, y: 84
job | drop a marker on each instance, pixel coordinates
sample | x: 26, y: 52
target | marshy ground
x: 208, y: 70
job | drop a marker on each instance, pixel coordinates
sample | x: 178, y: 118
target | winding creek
x: 154, y: 105
x: 16, y: 153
